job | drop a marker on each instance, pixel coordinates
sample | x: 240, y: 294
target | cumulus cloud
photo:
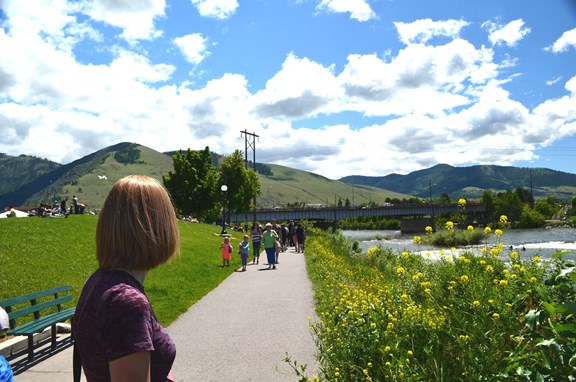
x: 567, y: 40
x: 359, y: 10
x: 509, y: 34
x: 193, y: 47
x: 134, y: 18
x: 301, y: 89
x: 438, y: 97
x: 218, y: 9
x: 422, y: 31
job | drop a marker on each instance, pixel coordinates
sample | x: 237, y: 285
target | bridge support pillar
x: 416, y: 225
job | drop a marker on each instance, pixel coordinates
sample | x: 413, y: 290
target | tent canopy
x: 17, y: 213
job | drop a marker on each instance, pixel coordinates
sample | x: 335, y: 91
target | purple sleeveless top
x: 113, y: 319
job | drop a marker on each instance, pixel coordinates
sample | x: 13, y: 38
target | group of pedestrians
x: 275, y: 239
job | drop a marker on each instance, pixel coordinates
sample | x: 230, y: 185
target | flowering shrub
x: 401, y: 317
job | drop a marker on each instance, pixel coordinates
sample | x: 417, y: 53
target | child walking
x: 244, y: 249
x: 226, y: 252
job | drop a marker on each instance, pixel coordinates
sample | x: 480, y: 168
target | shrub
x: 465, y: 317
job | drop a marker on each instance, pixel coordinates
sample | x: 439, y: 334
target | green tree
x: 243, y: 184
x: 444, y: 199
x: 508, y: 203
x: 487, y: 201
x: 547, y: 207
x: 525, y: 196
x: 530, y: 218
x: 193, y: 184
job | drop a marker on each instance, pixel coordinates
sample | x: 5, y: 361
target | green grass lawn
x: 39, y: 253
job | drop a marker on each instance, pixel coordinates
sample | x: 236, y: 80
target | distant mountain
x: 16, y: 171
x: 470, y: 182
x: 90, y: 177
x: 29, y: 180
x: 283, y: 185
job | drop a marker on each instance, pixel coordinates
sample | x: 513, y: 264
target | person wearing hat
x: 269, y: 238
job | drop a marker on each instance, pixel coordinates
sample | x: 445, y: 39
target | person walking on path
x: 300, y: 237
x: 256, y: 234
x: 226, y: 252
x: 244, y: 248
x: 116, y: 332
x: 269, y: 238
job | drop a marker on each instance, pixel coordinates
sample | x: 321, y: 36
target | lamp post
x: 224, y: 188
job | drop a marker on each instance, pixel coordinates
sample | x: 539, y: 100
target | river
x: 542, y: 241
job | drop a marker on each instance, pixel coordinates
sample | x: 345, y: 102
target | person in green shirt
x: 269, y: 238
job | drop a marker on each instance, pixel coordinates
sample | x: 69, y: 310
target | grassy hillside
x: 91, y: 187
x: 14, y: 171
x: 288, y: 185
x: 90, y: 178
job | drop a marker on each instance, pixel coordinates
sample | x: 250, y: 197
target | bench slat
x: 40, y: 306
x: 40, y: 324
x: 34, y: 295
x: 31, y: 305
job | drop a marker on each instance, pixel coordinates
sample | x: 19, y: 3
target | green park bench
x: 38, y: 311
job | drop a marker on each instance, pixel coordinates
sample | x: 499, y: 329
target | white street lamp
x: 224, y: 188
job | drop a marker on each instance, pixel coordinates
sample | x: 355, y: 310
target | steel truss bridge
x: 336, y: 214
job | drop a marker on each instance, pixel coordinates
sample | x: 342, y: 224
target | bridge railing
x: 335, y: 214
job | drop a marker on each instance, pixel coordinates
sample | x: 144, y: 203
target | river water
x: 528, y: 242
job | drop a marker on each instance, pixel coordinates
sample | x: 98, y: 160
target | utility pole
x: 252, y: 145
x: 531, y: 190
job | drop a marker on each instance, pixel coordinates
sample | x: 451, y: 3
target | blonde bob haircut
x: 137, y: 227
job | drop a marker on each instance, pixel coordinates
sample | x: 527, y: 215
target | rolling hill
x: 30, y: 180
x: 90, y: 178
x: 471, y: 182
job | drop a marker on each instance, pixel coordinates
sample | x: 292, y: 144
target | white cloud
x: 422, y: 104
x: 135, y: 18
x: 567, y: 40
x: 302, y: 88
x: 421, y: 31
x: 509, y: 34
x: 193, y: 47
x: 359, y: 9
x: 218, y: 9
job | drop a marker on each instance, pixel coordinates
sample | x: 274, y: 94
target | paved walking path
x: 241, y: 331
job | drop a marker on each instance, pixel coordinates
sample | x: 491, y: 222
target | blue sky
x: 335, y: 87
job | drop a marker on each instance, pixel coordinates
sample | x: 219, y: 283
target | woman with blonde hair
x: 117, y: 334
